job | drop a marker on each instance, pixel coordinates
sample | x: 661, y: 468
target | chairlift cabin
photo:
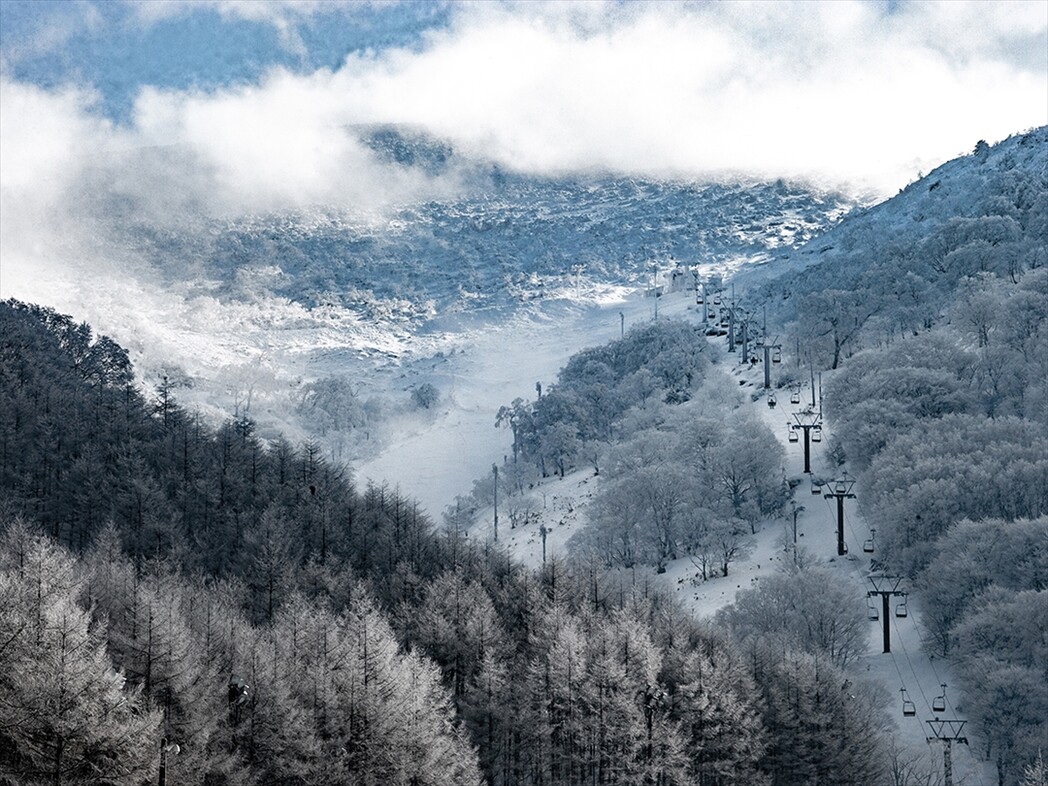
x: 867, y: 546
x: 716, y: 301
x: 871, y: 610
x: 840, y: 487
x: 901, y: 610
x: 794, y: 436
x: 771, y: 400
x: 939, y: 702
x: 816, y: 487
x: 776, y: 357
x: 795, y: 397
x: 909, y: 709
x: 816, y: 434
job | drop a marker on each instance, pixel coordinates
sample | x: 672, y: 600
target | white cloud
x: 835, y: 89
x: 838, y: 91
x: 841, y: 90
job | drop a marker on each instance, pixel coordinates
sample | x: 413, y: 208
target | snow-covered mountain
x: 503, y: 239
x: 985, y: 212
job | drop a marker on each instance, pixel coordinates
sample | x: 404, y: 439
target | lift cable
x: 905, y: 652
x: 976, y: 765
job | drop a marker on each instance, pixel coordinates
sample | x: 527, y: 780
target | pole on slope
x: 806, y: 420
x: 947, y: 732
x: 886, y: 587
x: 495, y: 471
x: 841, y: 489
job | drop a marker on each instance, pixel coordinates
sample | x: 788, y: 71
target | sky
x: 263, y: 94
x: 177, y: 110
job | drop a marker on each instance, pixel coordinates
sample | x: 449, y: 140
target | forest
x: 165, y: 583
x: 180, y: 596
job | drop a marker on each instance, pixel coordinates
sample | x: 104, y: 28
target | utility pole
x: 705, y: 305
x: 163, y: 762
x: 796, y: 510
x: 745, y: 342
x: 544, y: 531
x: 655, y: 287
x: 495, y: 470
x: 842, y: 491
x: 811, y: 367
x: 807, y: 420
x: 767, y: 362
x: 947, y: 732
x: 885, y: 586
x: 622, y: 324
x: 731, y: 321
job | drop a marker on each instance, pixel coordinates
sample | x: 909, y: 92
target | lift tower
x: 807, y: 419
x: 885, y: 586
x: 947, y: 732
x: 842, y: 491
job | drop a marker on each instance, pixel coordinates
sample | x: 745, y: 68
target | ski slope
x: 440, y: 461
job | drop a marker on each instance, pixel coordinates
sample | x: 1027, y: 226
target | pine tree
x: 66, y: 715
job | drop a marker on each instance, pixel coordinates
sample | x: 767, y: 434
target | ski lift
x: 939, y: 702
x: 867, y: 546
x: 816, y: 487
x: 840, y: 487
x: 795, y: 397
x: 844, y: 549
x: 816, y: 434
x: 716, y: 301
x: 871, y: 611
x: 776, y: 357
x: 794, y: 436
x: 771, y: 400
x: 901, y: 609
x: 909, y: 709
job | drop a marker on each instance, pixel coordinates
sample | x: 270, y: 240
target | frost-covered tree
x: 66, y: 715
x: 809, y: 609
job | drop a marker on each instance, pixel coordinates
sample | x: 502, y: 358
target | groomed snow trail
x: 441, y: 458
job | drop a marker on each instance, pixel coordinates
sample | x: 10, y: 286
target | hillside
x: 495, y: 240
x: 982, y: 214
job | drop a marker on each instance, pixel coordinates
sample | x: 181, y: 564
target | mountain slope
x: 983, y: 214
